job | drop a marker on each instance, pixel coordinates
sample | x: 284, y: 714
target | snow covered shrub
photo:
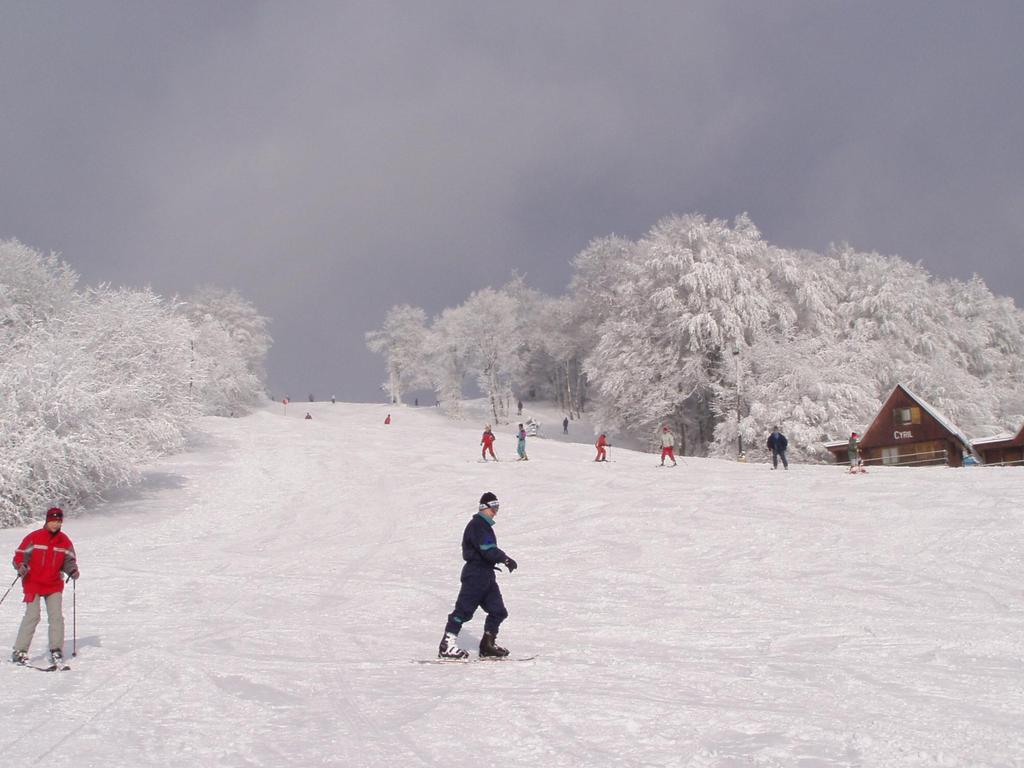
x: 33, y: 288
x: 95, y: 382
x: 88, y: 396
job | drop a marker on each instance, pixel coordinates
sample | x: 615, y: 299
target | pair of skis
x: 51, y: 668
x: 474, y: 659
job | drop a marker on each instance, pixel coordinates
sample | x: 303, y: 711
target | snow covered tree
x: 401, y: 341
x: 692, y: 290
x: 448, y: 358
x: 703, y: 325
x: 239, y: 318
x: 492, y: 337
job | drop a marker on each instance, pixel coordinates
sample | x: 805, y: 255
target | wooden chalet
x: 1002, y: 449
x: 908, y: 432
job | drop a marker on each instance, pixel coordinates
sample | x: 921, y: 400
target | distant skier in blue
x: 777, y: 444
x: 479, y: 584
x: 521, y: 444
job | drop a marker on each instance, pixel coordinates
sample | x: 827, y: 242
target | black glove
x: 511, y: 564
x: 22, y: 570
x: 75, y: 574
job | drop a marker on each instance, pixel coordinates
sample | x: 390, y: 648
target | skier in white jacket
x: 668, y: 442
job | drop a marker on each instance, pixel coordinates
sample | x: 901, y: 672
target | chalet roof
x: 1005, y: 437
x: 939, y: 417
x: 829, y: 445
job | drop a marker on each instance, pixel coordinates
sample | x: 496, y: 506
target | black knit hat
x: 486, y: 499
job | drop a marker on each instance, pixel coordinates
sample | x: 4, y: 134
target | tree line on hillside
x: 97, y: 380
x: 703, y: 325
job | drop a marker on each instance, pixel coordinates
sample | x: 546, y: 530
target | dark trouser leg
x: 782, y: 455
x: 471, y: 595
x: 494, y: 607
x: 775, y: 459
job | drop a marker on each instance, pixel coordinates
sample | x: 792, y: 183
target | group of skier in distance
x: 776, y: 444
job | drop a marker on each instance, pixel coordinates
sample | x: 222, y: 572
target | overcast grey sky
x: 330, y: 159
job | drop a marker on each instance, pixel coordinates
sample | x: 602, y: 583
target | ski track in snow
x: 258, y: 600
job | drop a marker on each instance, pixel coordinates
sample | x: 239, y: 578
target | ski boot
x: 56, y: 658
x: 20, y: 657
x: 488, y: 648
x: 449, y: 648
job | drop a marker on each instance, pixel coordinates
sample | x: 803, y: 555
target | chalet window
x: 904, y: 416
x: 891, y: 455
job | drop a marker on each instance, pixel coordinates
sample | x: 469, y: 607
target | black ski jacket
x: 480, y: 545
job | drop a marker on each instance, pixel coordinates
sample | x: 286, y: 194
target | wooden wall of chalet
x: 1010, y: 451
x: 1007, y: 455
x: 927, y: 436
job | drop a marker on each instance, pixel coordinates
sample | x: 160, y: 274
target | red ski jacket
x: 488, y: 439
x: 46, y: 555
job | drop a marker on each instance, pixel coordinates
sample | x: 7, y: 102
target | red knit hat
x: 54, y: 513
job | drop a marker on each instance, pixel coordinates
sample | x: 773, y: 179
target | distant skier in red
x: 602, y: 441
x: 487, y: 441
x: 387, y: 419
x: 668, y: 442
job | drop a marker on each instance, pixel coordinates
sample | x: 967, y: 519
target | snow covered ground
x: 259, y: 602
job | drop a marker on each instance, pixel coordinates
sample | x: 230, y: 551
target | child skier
x: 521, y: 445
x: 479, y: 584
x: 667, y: 444
x: 487, y: 441
x: 602, y: 441
x: 40, y: 560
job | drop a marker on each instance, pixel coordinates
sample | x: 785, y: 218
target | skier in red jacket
x: 40, y: 560
x: 602, y: 441
x: 487, y: 441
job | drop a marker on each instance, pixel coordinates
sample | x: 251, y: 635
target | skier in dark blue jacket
x: 777, y: 444
x: 479, y: 585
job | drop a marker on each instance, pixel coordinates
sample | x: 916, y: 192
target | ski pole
x: 74, y: 615
x: 74, y: 618
x: 9, y: 589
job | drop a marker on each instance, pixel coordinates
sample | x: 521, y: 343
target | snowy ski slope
x: 259, y: 601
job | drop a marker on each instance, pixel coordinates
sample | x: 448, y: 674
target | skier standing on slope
x: 668, y: 441
x: 565, y: 426
x: 521, y: 444
x: 487, y: 441
x: 602, y: 441
x: 479, y: 585
x: 853, y: 454
x: 777, y: 444
x: 39, y: 561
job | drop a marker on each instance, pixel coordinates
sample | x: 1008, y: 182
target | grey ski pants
x: 55, y: 616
